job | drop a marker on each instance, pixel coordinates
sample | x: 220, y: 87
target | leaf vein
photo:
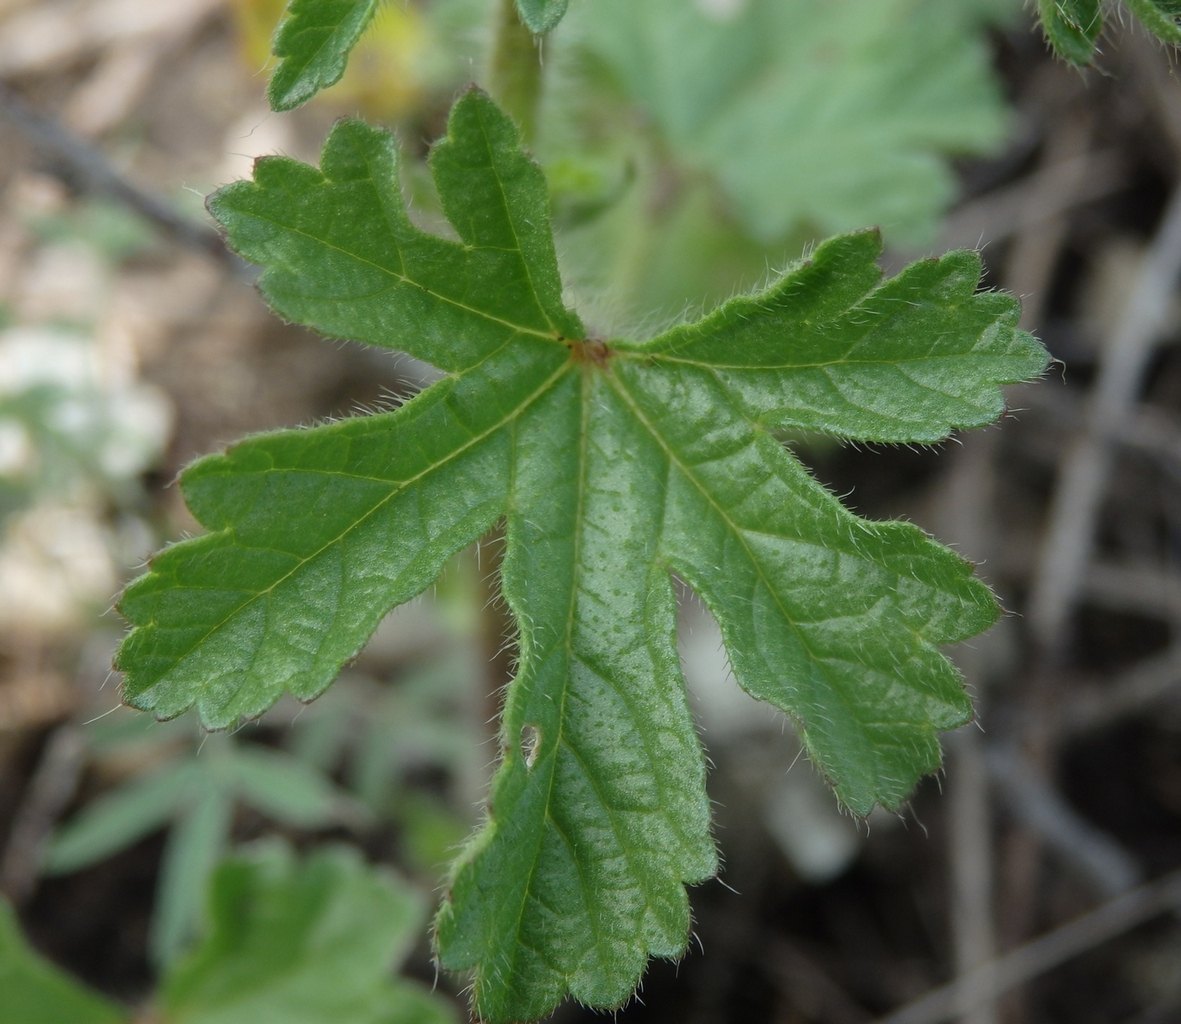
x: 397, y: 490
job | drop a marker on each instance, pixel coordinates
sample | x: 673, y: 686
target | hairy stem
x: 515, y: 69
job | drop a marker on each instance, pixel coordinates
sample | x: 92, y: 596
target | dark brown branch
x: 85, y: 169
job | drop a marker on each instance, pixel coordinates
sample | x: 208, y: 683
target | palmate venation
x: 613, y: 463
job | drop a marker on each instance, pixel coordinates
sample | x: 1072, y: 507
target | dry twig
x: 1045, y: 953
x: 812, y: 991
x: 1036, y: 200
x: 85, y: 168
x: 50, y: 790
x: 1039, y: 807
x: 968, y: 492
x: 1082, y: 481
x: 1099, y: 704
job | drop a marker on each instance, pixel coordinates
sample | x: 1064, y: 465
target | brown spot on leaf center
x: 590, y: 351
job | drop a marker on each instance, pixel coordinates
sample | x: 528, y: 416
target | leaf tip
x: 313, y: 43
x: 541, y: 16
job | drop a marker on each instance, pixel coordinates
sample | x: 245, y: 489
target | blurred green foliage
x: 112, y: 230
x: 190, y: 784
x: 691, y: 145
x: 303, y: 942
x: 33, y: 991
x: 289, y: 941
x: 748, y: 127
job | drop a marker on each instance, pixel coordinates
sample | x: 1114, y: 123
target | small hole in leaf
x: 530, y: 743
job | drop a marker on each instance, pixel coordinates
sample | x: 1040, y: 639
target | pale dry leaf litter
x: 70, y: 350
x: 79, y: 420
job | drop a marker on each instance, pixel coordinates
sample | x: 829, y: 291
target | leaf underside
x: 313, y: 43
x: 614, y: 463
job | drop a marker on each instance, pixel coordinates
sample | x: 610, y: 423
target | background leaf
x: 194, y: 795
x: 33, y: 991
x: 195, y: 844
x: 284, y: 789
x: 119, y: 818
x: 313, y: 45
x: 836, y: 115
x: 308, y: 942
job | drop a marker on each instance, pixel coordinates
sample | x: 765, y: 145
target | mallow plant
x: 611, y: 462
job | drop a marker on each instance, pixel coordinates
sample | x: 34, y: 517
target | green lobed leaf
x: 33, y: 991
x: 313, y: 43
x: 825, y: 116
x: 308, y: 942
x: 541, y: 16
x: 233, y: 620
x: 902, y: 362
x: 615, y: 463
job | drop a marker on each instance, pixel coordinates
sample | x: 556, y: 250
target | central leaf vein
x: 404, y: 279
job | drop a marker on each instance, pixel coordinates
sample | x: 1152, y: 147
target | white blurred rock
x: 724, y: 710
x: 64, y: 282
x: 38, y: 356
x: 55, y: 565
x: 16, y: 449
x: 802, y: 816
x: 123, y: 424
x: 84, y: 432
x: 258, y: 132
